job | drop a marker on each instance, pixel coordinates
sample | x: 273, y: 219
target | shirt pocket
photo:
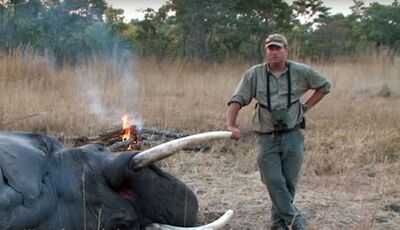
x: 261, y: 95
x: 299, y: 87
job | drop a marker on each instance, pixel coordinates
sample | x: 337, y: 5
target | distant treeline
x: 74, y: 31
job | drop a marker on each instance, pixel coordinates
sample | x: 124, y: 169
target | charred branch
x: 130, y: 144
x: 164, y: 133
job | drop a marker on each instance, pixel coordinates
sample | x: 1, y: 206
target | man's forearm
x: 232, y: 113
x: 314, y: 99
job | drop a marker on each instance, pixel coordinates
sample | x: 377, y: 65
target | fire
x: 130, y: 134
x: 126, y: 126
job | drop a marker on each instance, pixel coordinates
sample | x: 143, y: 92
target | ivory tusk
x: 162, y: 151
x: 217, y: 224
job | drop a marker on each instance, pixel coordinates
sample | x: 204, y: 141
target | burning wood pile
x: 131, y: 138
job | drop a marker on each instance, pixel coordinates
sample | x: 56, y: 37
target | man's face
x: 276, y: 54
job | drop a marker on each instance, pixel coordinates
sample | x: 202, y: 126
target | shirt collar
x: 269, y: 70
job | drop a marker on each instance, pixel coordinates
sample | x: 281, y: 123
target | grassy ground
x: 351, y: 174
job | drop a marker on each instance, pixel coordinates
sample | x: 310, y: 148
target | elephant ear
x: 24, y: 162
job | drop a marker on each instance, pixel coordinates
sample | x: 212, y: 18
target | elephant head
x: 44, y: 185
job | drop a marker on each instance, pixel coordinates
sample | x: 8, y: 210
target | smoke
x: 94, y: 101
x: 125, y: 67
x: 108, y: 86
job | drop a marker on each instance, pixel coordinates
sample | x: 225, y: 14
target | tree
x: 66, y: 23
x: 311, y: 11
x: 210, y: 30
x: 331, y: 39
x: 309, y: 16
x: 257, y: 19
x: 214, y: 28
x: 382, y: 24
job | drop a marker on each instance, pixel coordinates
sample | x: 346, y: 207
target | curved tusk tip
x: 217, y: 224
x: 229, y: 212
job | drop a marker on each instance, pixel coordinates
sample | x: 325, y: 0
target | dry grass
x: 352, y: 168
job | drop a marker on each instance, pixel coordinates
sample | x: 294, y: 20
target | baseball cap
x: 276, y: 40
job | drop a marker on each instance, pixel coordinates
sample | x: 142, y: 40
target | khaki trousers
x: 280, y: 161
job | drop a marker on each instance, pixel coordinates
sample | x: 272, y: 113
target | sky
x: 132, y: 7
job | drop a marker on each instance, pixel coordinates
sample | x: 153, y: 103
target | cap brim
x: 280, y: 44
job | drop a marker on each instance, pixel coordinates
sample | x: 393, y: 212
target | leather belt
x: 277, y: 132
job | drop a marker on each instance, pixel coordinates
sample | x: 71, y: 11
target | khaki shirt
x: 254, y: 85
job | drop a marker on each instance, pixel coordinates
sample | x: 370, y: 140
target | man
x: 277, y: 86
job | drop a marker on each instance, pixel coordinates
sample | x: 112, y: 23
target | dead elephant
x: 44, y: 185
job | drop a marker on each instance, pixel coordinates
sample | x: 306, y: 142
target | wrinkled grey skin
x: 44, y: 185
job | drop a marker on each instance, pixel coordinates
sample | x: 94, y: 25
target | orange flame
x: 126, y: 126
